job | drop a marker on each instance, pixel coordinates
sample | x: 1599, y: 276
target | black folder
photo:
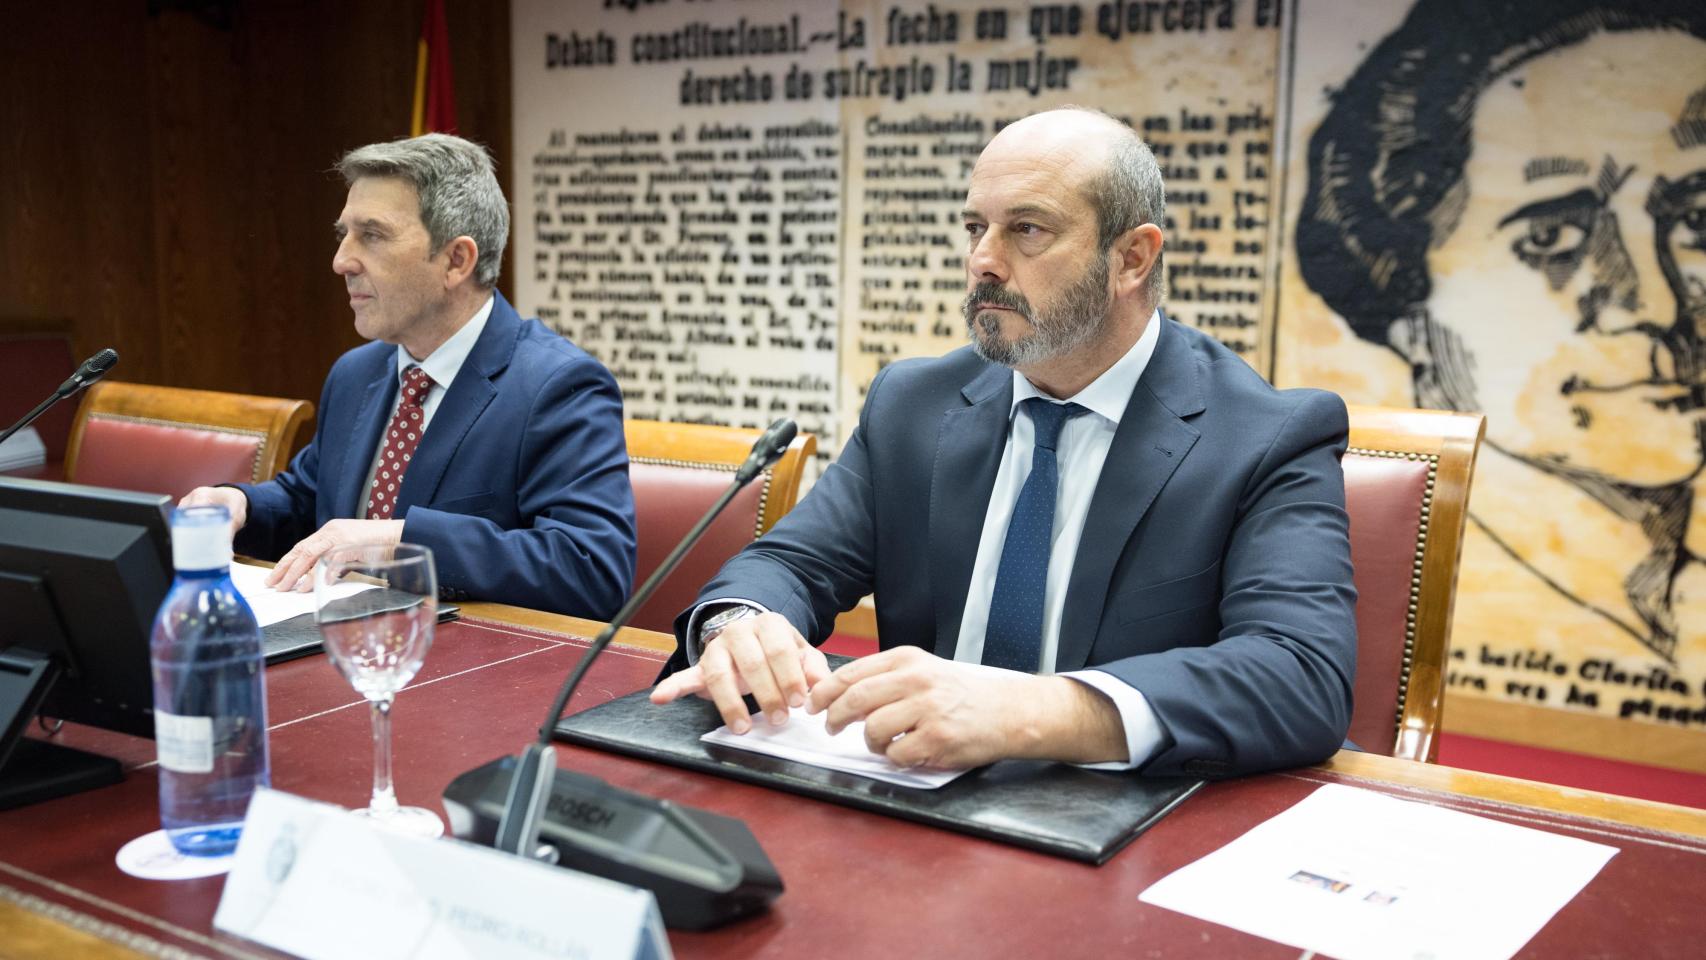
x: 300, y: 636
x: 1055, y: 808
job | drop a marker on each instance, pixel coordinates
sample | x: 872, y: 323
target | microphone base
x: 704, y: 868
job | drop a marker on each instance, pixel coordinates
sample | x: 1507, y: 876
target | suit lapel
x: 969, y: 442
x: 348, y: 496
x: 1151, y: 441
x: 470, y: 393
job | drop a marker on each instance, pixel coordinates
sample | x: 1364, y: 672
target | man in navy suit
x: 488, y: 438
x: 1094, y: 535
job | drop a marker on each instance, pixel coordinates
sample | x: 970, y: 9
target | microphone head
x: 92, y: 369
x: 769, y: 446
x: 780, y: 434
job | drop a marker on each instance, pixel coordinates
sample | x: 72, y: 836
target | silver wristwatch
x: 714, y: 624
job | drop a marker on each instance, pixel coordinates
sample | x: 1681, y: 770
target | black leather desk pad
x: 300, y: 636
x: 1055, y: 808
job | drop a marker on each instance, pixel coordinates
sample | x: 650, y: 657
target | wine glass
x: 376, y: 606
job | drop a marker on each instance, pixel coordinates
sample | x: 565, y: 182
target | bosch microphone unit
x: 704, y: 869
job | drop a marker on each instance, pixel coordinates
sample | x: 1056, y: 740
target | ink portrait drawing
x: 1503, y: 209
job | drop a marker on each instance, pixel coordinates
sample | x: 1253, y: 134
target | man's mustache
x: 994, y: 294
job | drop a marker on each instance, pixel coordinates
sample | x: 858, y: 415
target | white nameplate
x: 311, y: 880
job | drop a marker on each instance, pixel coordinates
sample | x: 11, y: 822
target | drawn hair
x: 1395, y: 142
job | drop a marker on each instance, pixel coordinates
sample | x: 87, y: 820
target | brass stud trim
x: 261, y: 435
x: 763, y: 487
x: 1410, y: 614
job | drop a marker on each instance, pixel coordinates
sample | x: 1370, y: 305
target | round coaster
x: 152, y: 857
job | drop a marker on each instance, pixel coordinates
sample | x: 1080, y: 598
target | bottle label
x: 185, y: 743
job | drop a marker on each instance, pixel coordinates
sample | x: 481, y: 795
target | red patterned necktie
x: 398, y: 445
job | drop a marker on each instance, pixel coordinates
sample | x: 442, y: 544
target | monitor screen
x: 82, y: 572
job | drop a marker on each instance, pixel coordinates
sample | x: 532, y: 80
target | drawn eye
x: 1694, y: 221
x: 1549, y: 239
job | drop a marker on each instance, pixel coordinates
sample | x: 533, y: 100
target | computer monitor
x: 82, y: 572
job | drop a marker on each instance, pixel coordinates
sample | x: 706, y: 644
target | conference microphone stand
x: 92, y: 369
x: 530, y: 785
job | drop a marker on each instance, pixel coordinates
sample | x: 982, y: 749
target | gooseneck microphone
x: 92, y: 369
x: 534, y: 775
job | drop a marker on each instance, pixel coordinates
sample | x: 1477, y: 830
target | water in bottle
x: 210, y: 706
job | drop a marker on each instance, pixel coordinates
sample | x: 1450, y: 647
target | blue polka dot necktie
x: 1014, y: 637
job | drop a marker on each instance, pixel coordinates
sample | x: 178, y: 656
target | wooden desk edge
x: 1646, y: 814
x: 28, y: 931
x: 573, y: 626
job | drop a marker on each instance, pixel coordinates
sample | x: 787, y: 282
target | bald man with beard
x: 1094, y: 535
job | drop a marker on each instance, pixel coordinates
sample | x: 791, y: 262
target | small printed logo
x: 281, y: 859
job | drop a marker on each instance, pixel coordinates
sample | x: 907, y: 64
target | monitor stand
x: 31, y: 770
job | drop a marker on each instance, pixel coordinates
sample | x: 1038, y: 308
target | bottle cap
x: 201, y: 538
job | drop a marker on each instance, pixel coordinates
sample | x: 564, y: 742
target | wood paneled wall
x: 164, y: 172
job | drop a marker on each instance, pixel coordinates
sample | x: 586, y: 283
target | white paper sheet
x: 805, y: 739
x: 275, y: 606
x: 1358, y: 875
x: 22, y: 449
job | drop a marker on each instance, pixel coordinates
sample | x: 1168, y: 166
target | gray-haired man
x: 488, y: 438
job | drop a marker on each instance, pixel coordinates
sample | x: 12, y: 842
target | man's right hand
x: 764, y: 656
x: 230, y: 498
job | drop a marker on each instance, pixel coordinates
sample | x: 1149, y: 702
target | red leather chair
x: 678, y: 471
x: 1407, y: 476
x: 171, y: 440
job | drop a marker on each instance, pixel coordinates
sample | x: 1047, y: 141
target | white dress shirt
x: 442, y: 365
x: 1081, y: 451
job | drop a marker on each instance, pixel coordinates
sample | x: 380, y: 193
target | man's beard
x: 1080, y: 312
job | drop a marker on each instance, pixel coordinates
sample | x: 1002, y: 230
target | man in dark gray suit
x: 1094, y: 535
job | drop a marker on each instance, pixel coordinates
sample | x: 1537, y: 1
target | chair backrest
x: 1407, y: 476
x: 35, y: 358
x: 678, y: 471
x: 170, y: 440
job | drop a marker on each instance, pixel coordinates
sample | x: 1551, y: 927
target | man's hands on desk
x: 291, y: 571
x: 918, y: 709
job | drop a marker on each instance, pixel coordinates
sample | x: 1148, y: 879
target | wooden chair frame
x: 276, y: 421
x: 1448, y: 443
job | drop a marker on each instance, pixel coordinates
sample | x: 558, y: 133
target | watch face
x: 717, y: 621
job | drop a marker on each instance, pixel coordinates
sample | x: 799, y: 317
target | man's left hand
x: 291, y: 571
x: 957, y: 715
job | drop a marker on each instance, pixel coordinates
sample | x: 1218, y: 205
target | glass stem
x: 384, y: 802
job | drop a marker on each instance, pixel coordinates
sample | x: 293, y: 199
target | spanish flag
x: 435, y: 95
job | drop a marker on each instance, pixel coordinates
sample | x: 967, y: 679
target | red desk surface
x: 858, y: 884
x: 51, y: 470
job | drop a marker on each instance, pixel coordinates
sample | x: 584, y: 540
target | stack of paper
x: 805, y: 738
x: 276, y: 606
x: 22, y: 449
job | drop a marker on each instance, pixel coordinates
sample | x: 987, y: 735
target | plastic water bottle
x: 210, y: 703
